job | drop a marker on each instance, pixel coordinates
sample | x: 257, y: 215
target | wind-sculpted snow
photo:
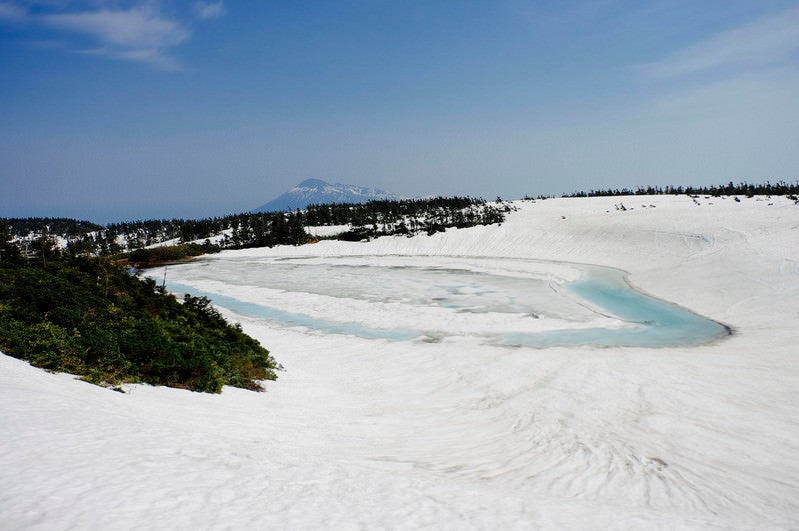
x: 452, y: 432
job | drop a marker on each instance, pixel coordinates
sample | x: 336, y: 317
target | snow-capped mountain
x: 316, y: 191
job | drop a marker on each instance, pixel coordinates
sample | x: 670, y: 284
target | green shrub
x: 90, y: 317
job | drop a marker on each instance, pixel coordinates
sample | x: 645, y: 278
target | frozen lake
x: 503, y: 302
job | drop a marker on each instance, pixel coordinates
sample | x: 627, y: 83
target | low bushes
x: 90, y: 317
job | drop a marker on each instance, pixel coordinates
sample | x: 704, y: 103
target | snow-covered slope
x: 362, y: 433
x: 318, y: 192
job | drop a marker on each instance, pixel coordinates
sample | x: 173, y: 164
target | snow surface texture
x: 456, y: 434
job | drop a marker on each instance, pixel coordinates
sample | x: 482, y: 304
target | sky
x: 124, y: 110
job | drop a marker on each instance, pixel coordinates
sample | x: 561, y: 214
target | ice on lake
x: 509, y: 302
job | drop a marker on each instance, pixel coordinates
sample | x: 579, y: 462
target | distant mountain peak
x: 319, y: 192
x: 312, y: 183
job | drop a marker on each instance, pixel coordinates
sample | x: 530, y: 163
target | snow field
x: 362, y: 433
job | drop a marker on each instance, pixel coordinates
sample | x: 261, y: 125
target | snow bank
x: 327, y: 230
x: 368, y: 433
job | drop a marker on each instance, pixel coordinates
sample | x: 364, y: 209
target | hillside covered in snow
x: 373, y: 425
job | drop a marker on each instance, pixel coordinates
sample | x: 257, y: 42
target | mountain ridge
x: 317, y: 191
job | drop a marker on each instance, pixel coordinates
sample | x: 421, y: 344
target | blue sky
x: 121, y: 110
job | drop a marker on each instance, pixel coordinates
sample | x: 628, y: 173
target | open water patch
x: 297, y: 319
x: 653, y: 322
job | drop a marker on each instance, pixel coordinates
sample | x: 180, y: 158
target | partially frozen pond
x: 399, y: 298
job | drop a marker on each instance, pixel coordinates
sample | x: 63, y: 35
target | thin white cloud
x: 139, y: 34
x: 152, y: 56
x: 209, y: 10
x: 12, y: 12
x: 764, y: 42
x: 135, y: 28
